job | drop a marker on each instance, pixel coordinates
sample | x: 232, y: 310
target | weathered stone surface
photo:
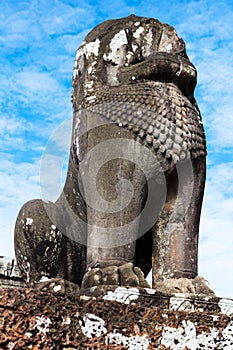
x: 121, y: 318
x: 135, y: 182
x: 197, y: 285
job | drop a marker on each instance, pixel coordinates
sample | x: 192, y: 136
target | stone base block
x: 113, y: 318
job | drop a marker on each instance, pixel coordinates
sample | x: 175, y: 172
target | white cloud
x: 64, y: 18
x: 18, y: 181
x: 25, y: 23
x: 216, y: 241
x: 208, y: 35
x: 18, y: 184
x: 36, y: 83
x: 11, y: 126
x: 11, y: 131
x: 37, y: 90
x: 51, y: 177
x: 220, y: 179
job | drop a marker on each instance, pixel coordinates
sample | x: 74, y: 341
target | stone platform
x: 113, y: 318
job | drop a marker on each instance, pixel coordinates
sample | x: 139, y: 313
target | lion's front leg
x: 114, y: 188
x: 175, y: 236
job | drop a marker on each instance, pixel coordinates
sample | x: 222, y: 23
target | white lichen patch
x: 134, y: 47
x: 116, y: 43
x: 27, y: 268
x: 88, y: 49
x: 183, y: 337
x: 226, y: 306
x: 92, y: 326
x: 123, y: 295
x: 215, y: 317
x: 29, y: 221
x: 28, y: 334
x: 169, y: 47
x: 180, y: 302
x: 11, y: 346
x: 150, y: 291
x: 227, y: 334
x: 167, y: 39
x: 178, y: 338
x: 92, y: 48
x: 79, y: 66
x: 186, y: 337
x: 44, y: 279
x: 57, y: 288
x: 92, y: 68
x: 133, y: 342
x: 129, y: 56
x: 148, y: 43
x: 138, y: 32
x: 54, y: 234
x: 86, y: 297
x: 42, y: 325
x: 89, y: 86
x: 91, y: 99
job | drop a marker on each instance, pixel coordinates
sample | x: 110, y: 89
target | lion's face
x: 118, y: 44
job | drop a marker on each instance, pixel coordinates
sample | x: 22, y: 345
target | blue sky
x: 38, y: 42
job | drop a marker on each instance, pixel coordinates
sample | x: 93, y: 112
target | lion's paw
x: 57, y: 285
x: 124, y: 275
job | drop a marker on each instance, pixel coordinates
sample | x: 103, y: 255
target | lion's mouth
x: 162, y: 67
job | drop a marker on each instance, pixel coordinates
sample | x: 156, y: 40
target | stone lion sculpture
x: 134, y: 188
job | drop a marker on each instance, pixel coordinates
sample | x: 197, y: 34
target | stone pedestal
x: 113, y: 318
